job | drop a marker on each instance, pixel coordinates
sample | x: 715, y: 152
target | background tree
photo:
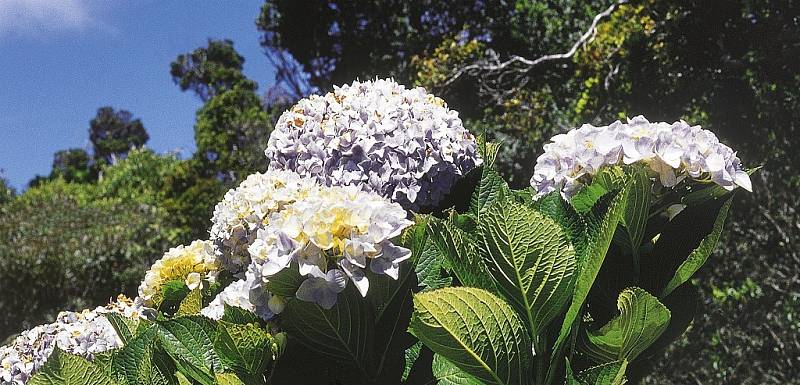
x: 63, y: 247
x: 7, y: 192
x: 233, y: 126
x: 73, y: 165
x: 114, y: 133
x: 210, y: 70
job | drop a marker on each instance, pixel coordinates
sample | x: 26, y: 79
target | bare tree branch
x: 513, y: 70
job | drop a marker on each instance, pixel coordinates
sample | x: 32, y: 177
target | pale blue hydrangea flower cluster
x: 246, y: 209
x: 404, y: 144
x: 248, y: 294
x: 672, y: 151
x: 329, y: 232
x: 83, y: 333
x: 332, y: 235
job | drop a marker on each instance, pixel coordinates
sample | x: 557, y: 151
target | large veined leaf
x: 190, y: 342
x: 133, y: 359
x: 66, y: 369
x: 448, y: 374
x: 641, y: 320
x: 344, y: 333
x: 460, y: 253
x: 607, y: 180
x: 491, y: 186
x: 246, y: 348
x: 556, y: 208
x: 475, y: 331
x: 699, y: 255
x: 612, y: 373
x: 531, y: 259
x: 428, y: 262
x: 637, y: 208
x: 601, y: 224
x: 124, y: 326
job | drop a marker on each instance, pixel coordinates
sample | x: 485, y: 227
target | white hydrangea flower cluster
x: 331, y: 234
x: 673, y: 151
x: 83, y: 333
x: 248, y: 294
x: 404, y: 144
x: 246, y: 209
x: 195, y: 264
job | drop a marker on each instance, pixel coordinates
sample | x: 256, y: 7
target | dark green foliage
x: 7, y: 192
x: 114, y: 133
x: 73, y: 165
x: 210, y: 70
x: 63, y: 248
x: 231, y: 133
x: 173, y: 187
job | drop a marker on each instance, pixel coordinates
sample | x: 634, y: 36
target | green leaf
x: 641, y: 321
x: 66, y: 369
x: 237, y: 315
x: 285, y: 282
x: 584, y: 200
x: 344, y: 333
x: 637, y: 207
x: 243, y: 348
x: 133, y: 361
x: 124, y: 326
x: 189, y: 341
x: 460, y: 253
x: 171, y: 295
x: 476, y: 331
x: 192, y: 303
x: 612, y: 373
x: 411, y: 356
x: 491, y: 185
x: 448, y: 374
x: 700, y: 254
x: 429, y: 268
x: 531, y: 259
x: 227, y: 379
x: 602, y: 223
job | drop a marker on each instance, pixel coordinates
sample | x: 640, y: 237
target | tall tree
x: 233, y: 125
x: 231, y: 133
x: 7, y: 192
x: 114, y: 133
x: 210, y: 70
x: 74, y: 165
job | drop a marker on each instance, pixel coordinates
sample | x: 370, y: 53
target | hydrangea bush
x: 343, y: 264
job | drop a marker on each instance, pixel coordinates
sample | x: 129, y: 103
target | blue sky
x: 62, y: 59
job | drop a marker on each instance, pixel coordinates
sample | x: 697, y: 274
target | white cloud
x: 39, y: 17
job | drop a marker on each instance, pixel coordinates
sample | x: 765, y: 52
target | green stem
x: 542, y: 359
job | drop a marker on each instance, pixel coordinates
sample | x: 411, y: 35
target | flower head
x: 672, y: 151
x: 332, y: 235
x: 246, y: 209
x: 83, y: 333
x: 403, y: 144
x: 193, y: 264
x: 248, y: 294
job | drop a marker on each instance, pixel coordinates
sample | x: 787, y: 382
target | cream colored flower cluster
x: 246, y: 209
x: 195, y: 264
x: 332, y: 235
x: 83, y: 333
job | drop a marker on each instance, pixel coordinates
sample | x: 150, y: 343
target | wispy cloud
x: 41, y: 17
